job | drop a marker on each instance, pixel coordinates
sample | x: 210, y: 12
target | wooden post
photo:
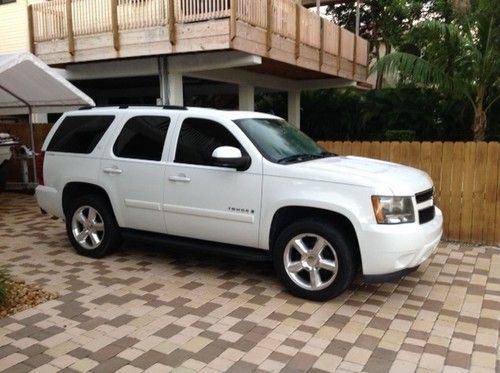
x: 171, y: 22
x: 321, y: 41
x: 339, y: 49
x: 297, y: 31
x: 114, y: 25
x: 234, y: 18
x: 269, y: 35
x: 69, y: 26
x: 31, y: 29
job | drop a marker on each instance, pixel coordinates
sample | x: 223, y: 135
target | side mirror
x: 230, y: 157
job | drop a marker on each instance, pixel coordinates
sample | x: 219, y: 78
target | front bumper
x: 391, y: 250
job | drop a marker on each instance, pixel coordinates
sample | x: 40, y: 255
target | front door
x: 207, y: 202
x: 134, y: 170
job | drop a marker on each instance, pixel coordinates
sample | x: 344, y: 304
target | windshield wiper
x: 300, y: 158
x: 328, y: 154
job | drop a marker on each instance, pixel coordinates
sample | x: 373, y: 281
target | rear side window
x: 142, y: 137
x: 80, y: 134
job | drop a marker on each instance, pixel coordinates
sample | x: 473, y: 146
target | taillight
x: 39, y: 167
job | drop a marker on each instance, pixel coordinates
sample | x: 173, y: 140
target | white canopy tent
x: 28, y: 85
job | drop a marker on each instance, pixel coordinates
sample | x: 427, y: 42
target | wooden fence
x: 466, y: 180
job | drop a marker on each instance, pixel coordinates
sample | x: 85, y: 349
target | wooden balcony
x: 293, y: 41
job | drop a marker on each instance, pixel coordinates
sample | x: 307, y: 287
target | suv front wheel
x: 91, y: 226
x: 313, y: 260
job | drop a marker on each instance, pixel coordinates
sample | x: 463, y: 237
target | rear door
x: 133, y: 171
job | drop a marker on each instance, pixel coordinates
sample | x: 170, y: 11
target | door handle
x: 180, y: 178
x: 112, y: 170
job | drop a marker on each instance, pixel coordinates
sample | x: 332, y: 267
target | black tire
x: 339, y: 251
x: 110, y: 238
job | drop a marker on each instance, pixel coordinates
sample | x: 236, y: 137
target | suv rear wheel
x: 91, y: 226
x: 314, y: 260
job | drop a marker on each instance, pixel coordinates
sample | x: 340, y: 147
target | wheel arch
x: 286, y: 215
x: 74, y: 190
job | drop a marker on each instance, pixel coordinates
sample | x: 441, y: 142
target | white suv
x: 240, y: 183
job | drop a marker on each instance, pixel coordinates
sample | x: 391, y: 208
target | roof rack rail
x: 174, y: 107
x: 166, y: 107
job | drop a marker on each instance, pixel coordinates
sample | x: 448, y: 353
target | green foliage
x: 415, y: 69
x: 273, y: 103
x: 460, y: 59
x: 385, y: 23
x: 4, y: 285
x: 353, y: 115
x: 452, y: 47
x: 400, y: 135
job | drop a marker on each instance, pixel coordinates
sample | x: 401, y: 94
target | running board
x: 189, y: 245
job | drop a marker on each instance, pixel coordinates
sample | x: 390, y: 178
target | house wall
x: 14, y: 26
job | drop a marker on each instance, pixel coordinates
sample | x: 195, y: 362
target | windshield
x: 279, y: 141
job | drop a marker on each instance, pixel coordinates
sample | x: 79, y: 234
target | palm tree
x: 460, y: 58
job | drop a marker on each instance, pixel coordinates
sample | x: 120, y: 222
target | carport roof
x: 27, y: 81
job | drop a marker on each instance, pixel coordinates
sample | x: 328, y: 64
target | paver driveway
x: 145, y: 308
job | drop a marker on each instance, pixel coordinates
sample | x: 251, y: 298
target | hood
x: 359, y: 171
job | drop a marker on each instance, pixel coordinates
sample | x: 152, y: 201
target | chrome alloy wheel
x: 310, y: 261
x: 87, y: 226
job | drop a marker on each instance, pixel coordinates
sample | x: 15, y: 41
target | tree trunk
x: 380, y: 74
x: 480, y: 121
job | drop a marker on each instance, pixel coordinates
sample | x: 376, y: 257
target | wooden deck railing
x: 310, y: 30
x: 195, y: 10
x: 68, y: 19
x: 95, y: 16
x: 284, y: 18
x: 49, y: 20
x: 254, y: 12
x: 84, y: 21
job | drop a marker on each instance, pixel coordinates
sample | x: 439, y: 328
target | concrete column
x: 163, y: 75
x: 171, y: 87
x: 246, y: 96
x: 294, y: 108
x: 39, y: 118
x: 176, y: 89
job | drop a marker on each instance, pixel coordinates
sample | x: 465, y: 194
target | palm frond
x: 419, y: 71
x: 453, y: 32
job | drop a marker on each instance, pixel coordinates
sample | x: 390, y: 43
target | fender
x: 353, y: 202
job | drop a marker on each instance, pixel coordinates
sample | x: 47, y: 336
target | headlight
x: 393, y: 210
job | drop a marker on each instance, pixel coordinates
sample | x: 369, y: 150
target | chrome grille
x: 426, y: 209
x: 424, y: 196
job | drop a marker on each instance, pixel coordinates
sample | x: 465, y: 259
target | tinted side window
x: 142, y: 138
x: 199, y: 138
x: 80, y: 134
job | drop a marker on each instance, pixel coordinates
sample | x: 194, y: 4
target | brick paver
x: 150, y: 309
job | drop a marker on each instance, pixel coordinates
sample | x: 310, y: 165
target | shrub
x: 400, y: 135
x: 348, y: 114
